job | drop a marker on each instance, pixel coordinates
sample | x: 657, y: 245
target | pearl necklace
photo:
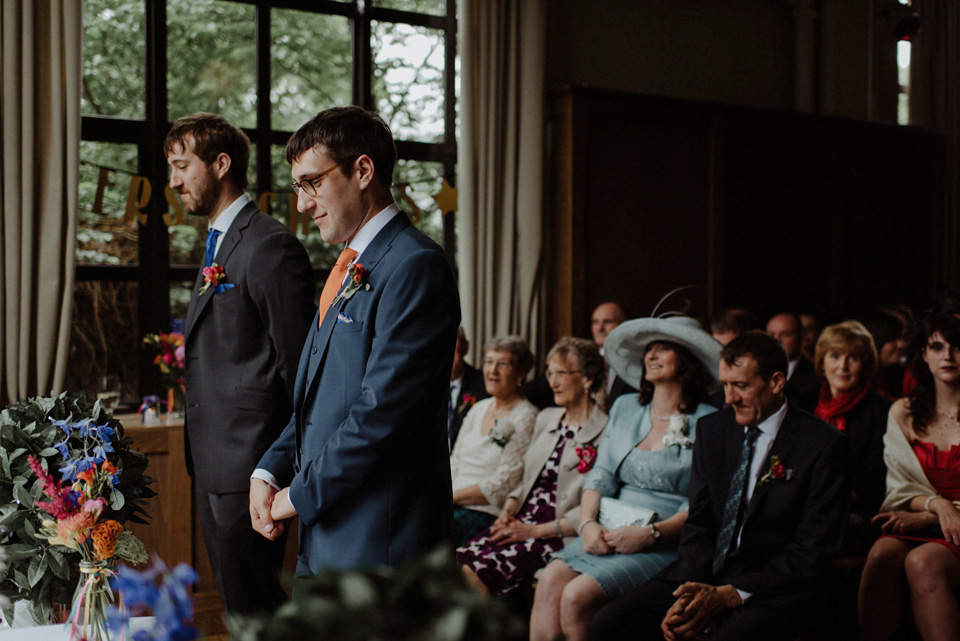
x: 653, y: 413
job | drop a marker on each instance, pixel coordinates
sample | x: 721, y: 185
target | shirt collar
x: 228, y: 215
x: 771, y: 425
x: 369, y: 231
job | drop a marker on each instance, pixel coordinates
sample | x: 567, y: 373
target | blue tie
x: 731, y: 509
x: 212, y: 236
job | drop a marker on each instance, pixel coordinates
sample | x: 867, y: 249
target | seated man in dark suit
x: 605, y: 317
x: 466, y: 388
x: 802, y: 379
x: 769, y: 498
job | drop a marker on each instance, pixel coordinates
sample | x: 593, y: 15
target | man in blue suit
x: 364, y: 461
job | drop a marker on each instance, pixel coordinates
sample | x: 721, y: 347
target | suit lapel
x: 782, y: 445
x: 369, y: 259
x: 230, y: 241
x: 592, y: 428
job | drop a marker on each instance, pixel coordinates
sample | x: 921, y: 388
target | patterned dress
x: 503, y: 567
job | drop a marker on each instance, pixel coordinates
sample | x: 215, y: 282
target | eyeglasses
x: 561, y: 374
x: 311, y: 185
x: 492, y: 364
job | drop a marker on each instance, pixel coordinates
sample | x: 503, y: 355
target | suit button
x: 313, y: 351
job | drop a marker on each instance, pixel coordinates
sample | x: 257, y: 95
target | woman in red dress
x: 919, y: 517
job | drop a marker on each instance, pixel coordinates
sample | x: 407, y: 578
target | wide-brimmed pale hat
x: 627, y: 343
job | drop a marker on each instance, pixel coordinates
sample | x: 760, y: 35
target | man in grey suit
x: 248, y: 316
x: 364, y: 460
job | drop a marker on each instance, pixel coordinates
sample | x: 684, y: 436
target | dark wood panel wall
x: 752, y: 208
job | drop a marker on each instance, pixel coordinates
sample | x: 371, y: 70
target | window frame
x: 153, y: 271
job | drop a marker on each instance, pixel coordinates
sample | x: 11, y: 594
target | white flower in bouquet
x: 677, y: 432
x: 503, y: 429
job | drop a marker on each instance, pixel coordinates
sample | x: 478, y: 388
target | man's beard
x: 205, y: 196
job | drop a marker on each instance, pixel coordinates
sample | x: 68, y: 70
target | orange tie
x: 334, y: 280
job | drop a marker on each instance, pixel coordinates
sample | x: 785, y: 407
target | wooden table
x: 174, y: 530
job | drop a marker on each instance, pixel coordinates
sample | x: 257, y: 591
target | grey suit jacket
x: 242, y: 347
x: 546, y: 435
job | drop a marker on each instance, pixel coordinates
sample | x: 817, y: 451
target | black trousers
x: 636, y: 615
x: 246, y: 565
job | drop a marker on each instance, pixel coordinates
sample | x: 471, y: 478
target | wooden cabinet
x: 174, y: 530
x: 752, y: 208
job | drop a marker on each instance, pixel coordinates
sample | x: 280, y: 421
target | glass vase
x: 177, y: 400
x: 88, y: 615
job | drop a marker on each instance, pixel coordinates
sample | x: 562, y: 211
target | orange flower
x: 108, y: 467
x: 87, y: 475
x: 105, y: 538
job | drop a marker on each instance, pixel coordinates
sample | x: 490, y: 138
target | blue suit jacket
x: 365, y: 452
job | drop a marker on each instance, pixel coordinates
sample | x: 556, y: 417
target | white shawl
x: 905, y: 477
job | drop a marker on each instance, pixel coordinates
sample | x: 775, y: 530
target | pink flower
x: 168, y: 358
x: 73, y: 530
x: 180, y: 353
x: 587, y: 456
x: 95, y: 507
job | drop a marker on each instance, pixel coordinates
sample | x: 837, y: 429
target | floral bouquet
x: 170, y: 353
x: 170, y: 357
x: 69, y: 480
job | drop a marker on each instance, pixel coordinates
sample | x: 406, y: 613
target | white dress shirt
x: 769, y: 428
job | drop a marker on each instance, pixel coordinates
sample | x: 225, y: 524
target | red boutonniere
x: 588, y: 456
x: 356, y: 280
x: 777, y: 471
x: 212, y: 277
x: 468, y: 402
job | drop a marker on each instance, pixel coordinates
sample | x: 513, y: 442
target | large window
x: 267, y: 66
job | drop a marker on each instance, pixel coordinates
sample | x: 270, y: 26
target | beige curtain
x: 935, y: 102
x: 501, y: 158
x: 40, y: 67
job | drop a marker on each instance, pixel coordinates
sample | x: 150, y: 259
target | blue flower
x: 62, y: 448
x: 69, y: 471
x: 63, y: 424
x: 166, y: 593
x: 82, y: 427
x: 100, y: 451
x: 106, y: 431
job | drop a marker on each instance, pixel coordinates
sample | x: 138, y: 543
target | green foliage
x: 38, y: 571
x: 310, y: 67
x: 424, y: 601
x: 114, y: 53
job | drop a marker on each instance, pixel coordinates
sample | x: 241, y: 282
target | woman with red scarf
x: 847, y: 359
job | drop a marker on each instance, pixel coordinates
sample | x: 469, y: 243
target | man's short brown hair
x: 346, y: 133
x: 212, y: 135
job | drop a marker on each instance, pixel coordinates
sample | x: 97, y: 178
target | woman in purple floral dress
x: 539, y: 515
